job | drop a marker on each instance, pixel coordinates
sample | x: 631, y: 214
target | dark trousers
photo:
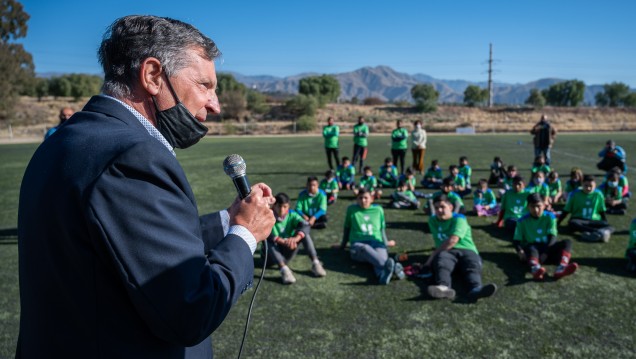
x: 607, y: 163
x: 278, y: 254
x: 359, y: 152
x: 587, y: 225
x: 398, y: 155
x: 509, y: 226
x: 467, y: 261
x: 332, y: 152
x: 553, y: 252
x: 321, y: 222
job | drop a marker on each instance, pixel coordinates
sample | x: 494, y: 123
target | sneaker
x: 387, y: 272
x: 539, y: 274
x: 441, y: 292
x: 317, y: 269
x: 605, y: 234
x: 287, y: 275
x: 595, y: 236
x: 484, y: 291
x: 563, y: 271
x: 398, y: 270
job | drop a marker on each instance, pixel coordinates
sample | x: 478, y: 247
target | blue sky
x: 593, y: 41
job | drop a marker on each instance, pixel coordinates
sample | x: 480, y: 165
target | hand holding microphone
x: 252, y: 207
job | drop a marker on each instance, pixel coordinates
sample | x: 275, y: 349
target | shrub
x: 306, y: 123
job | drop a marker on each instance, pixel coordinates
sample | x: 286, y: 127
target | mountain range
x: 390, y: 85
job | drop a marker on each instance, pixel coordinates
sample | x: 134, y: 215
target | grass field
x: 345, y: 315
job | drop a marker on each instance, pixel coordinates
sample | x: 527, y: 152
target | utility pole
x: 490, y: 90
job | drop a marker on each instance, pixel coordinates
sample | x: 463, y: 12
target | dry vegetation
x: 34, y: 117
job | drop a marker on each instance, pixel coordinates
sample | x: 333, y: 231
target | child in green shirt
x: 454, y: 249
x: 289, y: 230
x: 587, y: 206
x: 535, y: 241
x: 369, y: 182
x: 556, y: 190
x: 485, y: 201
x: 403, y: 198
x: 447, y: 190
x: 540, y: 165
x: 312, y: 204
x: 513, y: 206
x: 613, y: 193
x: 433, y: 176
x: 388, y: 174
x: 329, y: 184
x: 465, y: 170
x: 346, y: 174
x: 365, y: 233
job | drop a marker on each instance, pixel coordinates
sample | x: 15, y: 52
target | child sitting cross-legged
x: 329, y: 184
x: 536, y: 243
x: 433, y: 176
x: 404, y: 198
x: 288, y: 232
x: 388, y: 174
x: 368, y: 182
x: 485, y: 201
x: 312, y: 204
x: 346, y: 174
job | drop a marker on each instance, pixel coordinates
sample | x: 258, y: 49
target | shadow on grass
x: 510, y: 264
x: 8, y: 236
x: 613, y: 266
x: 410, y: 225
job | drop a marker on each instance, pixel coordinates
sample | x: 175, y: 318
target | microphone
x: 234, y: 166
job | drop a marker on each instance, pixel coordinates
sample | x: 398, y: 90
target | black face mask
x: 177, y: 124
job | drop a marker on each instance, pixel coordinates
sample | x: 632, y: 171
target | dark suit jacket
x: 115, y: 261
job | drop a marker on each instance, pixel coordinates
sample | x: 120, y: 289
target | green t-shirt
x: 360, y: 134
x: 312, y: 206
x: 611, y: 193
x: 543, y: 190
x: 397, y: 195
x: 632, y: 236
x: 452, y: 196
x: 409, y: 181
x: 388, y: 173
x: 330, y: 133
x: 459, y: 181
x: 586, y: 205
x: 486, y: 198
x: 514, y: 204
x: 399, y: 139
x: 434, y: 173
x: 555, y: 187
x: 370, y: 183
x: 466, y: 171
x: 286, y: 227
x: 543, y: 168
x: 329, y: 186
x: 531, y: 230
x: 456, y: 226
x: 345, y: 174
x: 365, y: 224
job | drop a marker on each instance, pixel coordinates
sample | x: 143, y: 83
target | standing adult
x: 544, y: 134
x: 399, y: 144
x: 612, y: 156
x: 65, y: 114
x: 360, y: 142
x: 115, y: 261
x: 418, y: 147
x: 330, y: 133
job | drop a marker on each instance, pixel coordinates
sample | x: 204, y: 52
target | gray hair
x: 131, y: 39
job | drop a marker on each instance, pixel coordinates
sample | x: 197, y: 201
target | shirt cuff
x: 245, y: 235
x: 225, y: 221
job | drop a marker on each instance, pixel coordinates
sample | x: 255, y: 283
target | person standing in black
x: 330, y: 133
x: 544, y: 134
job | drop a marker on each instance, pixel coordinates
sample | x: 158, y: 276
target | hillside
x: 390, y: 85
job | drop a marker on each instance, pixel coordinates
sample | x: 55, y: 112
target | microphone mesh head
x: 234, y: 166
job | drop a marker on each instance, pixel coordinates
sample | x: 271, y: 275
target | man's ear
x: 150, y: 75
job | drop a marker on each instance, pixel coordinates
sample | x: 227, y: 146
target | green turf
x: 345, y: 315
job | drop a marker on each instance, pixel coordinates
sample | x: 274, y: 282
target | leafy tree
x: 16, y: 64
x: 60, y: 87
x: 425, y: 97
x: 373, y: 101
x: 535, y: 99
x: 630, y: 100
x: 233, y: 104
x: 302, y: 105
x: 227, y: 82
x: 306, y: 123
x: 613, y: 95
x: 474, y: 95
x: 256, y: 102
x: 41, y: 88
x: 567, y: 93
x: 325, y: 88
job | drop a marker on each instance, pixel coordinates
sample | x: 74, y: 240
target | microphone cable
x: 249, y: 311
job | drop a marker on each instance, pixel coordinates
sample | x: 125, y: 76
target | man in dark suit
x: 115, y: 261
